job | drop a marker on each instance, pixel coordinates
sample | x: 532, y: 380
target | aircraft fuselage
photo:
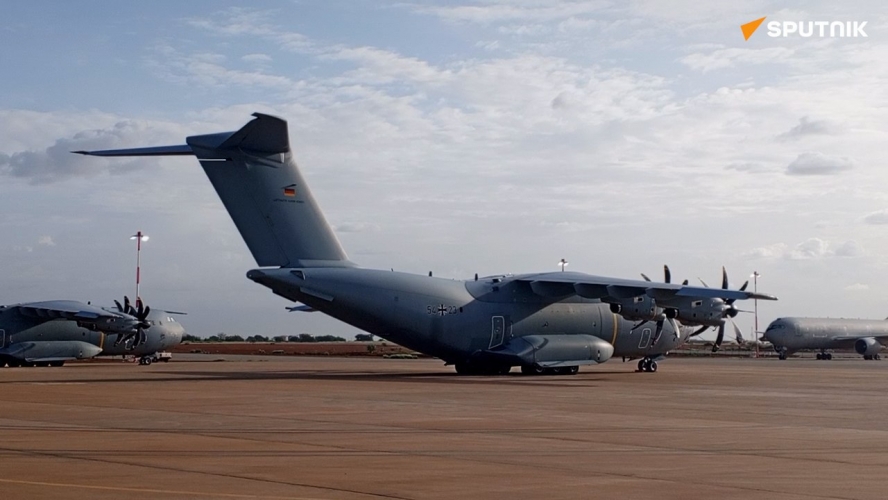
x: 789, y: 335
x: 23, y: 338
x: 452, y: 319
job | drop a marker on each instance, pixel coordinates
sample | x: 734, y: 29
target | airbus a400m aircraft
x: 52, y: 332
x: 544, y: 323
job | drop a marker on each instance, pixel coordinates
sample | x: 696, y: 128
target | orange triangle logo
x: 749, y: 28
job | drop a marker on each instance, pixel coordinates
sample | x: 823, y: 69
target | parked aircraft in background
x: 551, y: 322
x: 864, y: 336
x: 50, y: 333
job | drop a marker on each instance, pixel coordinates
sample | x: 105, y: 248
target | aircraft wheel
x: 828, y: 356
x: 819, y: 356
x: 652, y: 367
x: 42, y: 364
x: 573, y: 370
x: 782, y: 356
x: 641, y: 365
x: 877, y: 357
x: 146, y: 361
x: 867, y: 357
x: 532, y: 370
x: 56, y: 363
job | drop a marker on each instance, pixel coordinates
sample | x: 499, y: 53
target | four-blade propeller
x: 661, y: 320
x: 728, y: 311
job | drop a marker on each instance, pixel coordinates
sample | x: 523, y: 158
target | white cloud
x: 751, y: 167
x: 730, y: 57
x: 355, y: 227
x: 767, y: 252
x: 819, y: 164
x: 810, y: 249
x: 209, y: 70
x: 256, y: 58
x: 504, y: 12
x: 46, y: 241
x: 807, y: 127
x: 857, y: 287
x: 849, y: 249
x: 880, y: 217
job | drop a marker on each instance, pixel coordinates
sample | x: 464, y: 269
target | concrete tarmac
x: 345, y: 428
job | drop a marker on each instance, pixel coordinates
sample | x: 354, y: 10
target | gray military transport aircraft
x: 52, y: 332
x: 864, y: 336
x: 548, y: 323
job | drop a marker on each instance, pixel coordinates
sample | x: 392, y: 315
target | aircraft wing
x: 558, y: 284
x: 65, y: 309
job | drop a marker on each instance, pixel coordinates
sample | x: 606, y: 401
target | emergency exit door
x: 497, y: 331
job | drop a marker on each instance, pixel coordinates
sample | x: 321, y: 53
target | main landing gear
x: 485, y: 369
x: 823, y: 355
x: 479, y: 369
x: 647, y: 364
x: 539, y: 370
x: 875, y: 357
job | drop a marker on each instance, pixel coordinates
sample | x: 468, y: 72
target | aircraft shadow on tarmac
x: 582, y: 380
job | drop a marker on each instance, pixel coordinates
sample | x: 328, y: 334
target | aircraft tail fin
x: 255, y: 175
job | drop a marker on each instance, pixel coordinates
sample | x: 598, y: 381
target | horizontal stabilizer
x: 182, y: 150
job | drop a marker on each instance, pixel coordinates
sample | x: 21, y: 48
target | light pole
x: 755, y: 302
x: 563, y: 264
x: 139, y: 237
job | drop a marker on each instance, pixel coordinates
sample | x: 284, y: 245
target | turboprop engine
x: 640, y: 308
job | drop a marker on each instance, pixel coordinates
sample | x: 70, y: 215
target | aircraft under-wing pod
x: 544, y: 323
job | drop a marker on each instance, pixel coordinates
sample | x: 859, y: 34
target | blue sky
x: 483, y: 137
